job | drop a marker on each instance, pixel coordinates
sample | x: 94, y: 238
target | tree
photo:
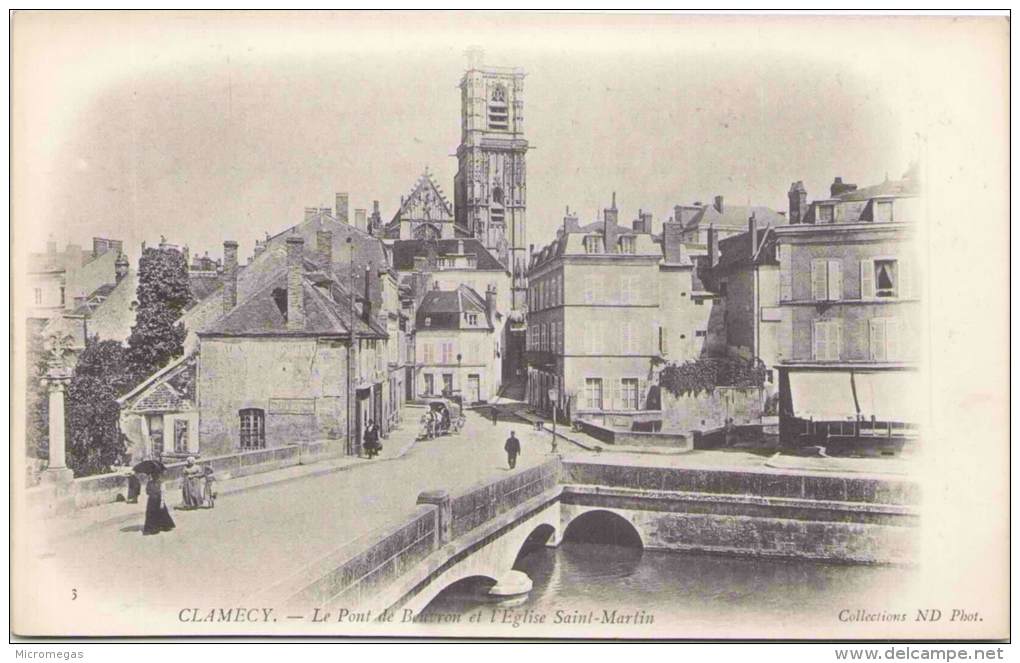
x: 163, y: 294
x: 92, y: 414
x: 37, y: 403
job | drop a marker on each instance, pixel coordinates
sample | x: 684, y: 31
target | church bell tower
x: 490, y: 191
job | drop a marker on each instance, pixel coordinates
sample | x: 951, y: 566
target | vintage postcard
x: 510, y: 325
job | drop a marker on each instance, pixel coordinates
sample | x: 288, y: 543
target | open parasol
x: 150, y: 467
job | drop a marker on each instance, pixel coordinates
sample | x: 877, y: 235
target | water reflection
x: 696, y: 588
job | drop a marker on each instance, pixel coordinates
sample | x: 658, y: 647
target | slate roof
x: 203, y: 285
x: 445, y: 308
x: 406, y: 250
x: 858, y: 204
x: 735, y: 217
x: 326, y: 305
x: 736, y: 251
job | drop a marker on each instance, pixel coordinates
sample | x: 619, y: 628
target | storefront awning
x: 889, y: 395
x: 822, y: 395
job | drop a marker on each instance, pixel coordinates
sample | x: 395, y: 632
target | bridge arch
x: 602, y: 526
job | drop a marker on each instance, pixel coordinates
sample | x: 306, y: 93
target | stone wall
x: 711, y: 410
x: 635, y: 438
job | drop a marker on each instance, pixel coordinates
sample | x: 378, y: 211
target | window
x: 428, y: 321
x: 826, y: 213
x: 497, y: 219
x: 883, y: 211
x: 62, y: 296
x: 498, y: 116
x: 447, y: 383
x: 38, y: 296
x: 885, y: 278
x: 428, y: 356
x: 593, y: 393
x: 628, y: 244
x: 884, y: 339
x: 180, y: 436
x: 701, y: 333
x: 447, y: 349
x: 826, y: 280
x: 826, y: 340
x: 253, y: 428
x: 593, y: 244
x: 472, y: 318
x: 430, y: 384
x: 629, y: 393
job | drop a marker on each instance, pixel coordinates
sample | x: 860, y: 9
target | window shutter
x: 818, y: 340
x: 892, y: 339
x: 785, y: 277
x: 877, y: 339
x: 819, y: 286
x: 835, y: 276
x: 615, y: 403
x: 642, y: 394
x: 905, y: 266
x: 835, y: 339
x: 867, y: 279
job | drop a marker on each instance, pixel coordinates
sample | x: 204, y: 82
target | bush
x: 705, y: 374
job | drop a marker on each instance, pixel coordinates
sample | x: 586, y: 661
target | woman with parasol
x: 157, y: 518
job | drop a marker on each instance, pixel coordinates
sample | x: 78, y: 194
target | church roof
x: 426, y: 202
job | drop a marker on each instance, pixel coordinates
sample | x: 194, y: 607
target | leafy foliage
x: 163, y: 294
x: 92, y: 415
x: 707, y: 373
x: 37, y: 403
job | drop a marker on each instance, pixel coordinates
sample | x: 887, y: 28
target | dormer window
x: 628, y: 244
x: 826, y: 213
x: 472, y: 318
x: 428, y: 322
x: 593, y: 244
x: 498, y: 114
x: 883, y: 211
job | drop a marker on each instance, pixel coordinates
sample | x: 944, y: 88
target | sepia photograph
x: 492, y: 325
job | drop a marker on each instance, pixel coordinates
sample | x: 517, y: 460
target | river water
x: 705, y: 594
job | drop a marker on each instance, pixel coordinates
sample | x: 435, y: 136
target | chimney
x: 838, y: 187
x: 610, y: 215
x: 324, y: 246
x: 121, y: 267
x: 719, y: 204
x: 375, y: 221
x: 460, y: 247
x: 798, y: 202
x: 752, y: 232
x: 295, y: 288
x: 229, y: 275
x: 570, y: 223
x: 713, y: 246
x: 99, y: 246
x: 341, y: 207
x: 359, y: 219
x: 366, y: 310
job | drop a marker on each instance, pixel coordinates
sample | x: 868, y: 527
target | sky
x: 206, y: 127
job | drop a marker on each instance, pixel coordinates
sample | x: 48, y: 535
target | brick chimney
x: 360, y: 219
x: 295, y: 288
x: 798, y: 202
x: 324, y: 247
x: 490, y: 302
x: 839, y: 187
x: 341, y: 207
x: 718, y: 204
x: 229, y: 275
x: 570, y: 223
x: 713, y: 246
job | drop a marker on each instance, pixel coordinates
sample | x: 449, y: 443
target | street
x: 219, y: 557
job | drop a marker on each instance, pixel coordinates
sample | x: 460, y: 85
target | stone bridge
x: 754, y: 512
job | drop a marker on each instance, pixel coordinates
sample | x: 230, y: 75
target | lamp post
x: 554, y: 397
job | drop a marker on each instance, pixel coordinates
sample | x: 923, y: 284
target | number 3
x: 74, y: 594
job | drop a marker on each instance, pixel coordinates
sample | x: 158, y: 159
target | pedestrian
x: 371, y: 440
x: 157, y: 518
x: 513, y: 449
x: 191, y: 487
x: 134, y: 488
x: 210, y: 485
x: 494, y: 418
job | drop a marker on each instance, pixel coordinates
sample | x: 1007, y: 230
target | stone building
x: 727, y: 219
x: 457, y: 343
x: 424, y: 214
x: 606, y: 303
x: 849, y: 314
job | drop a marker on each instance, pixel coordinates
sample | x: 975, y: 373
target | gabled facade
x: 424, y: 214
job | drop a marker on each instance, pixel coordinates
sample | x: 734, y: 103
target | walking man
x: 513, y: 449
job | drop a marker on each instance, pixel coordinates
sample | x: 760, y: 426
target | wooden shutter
x: 615, y: 403
x: 877, y: 339
x: 835, y: 278
x: 892, y: 339
x: 642, y: 394
x: 867, y: 279
x: 819, y: 340
x: 835, y: 339
x: 819, y: 280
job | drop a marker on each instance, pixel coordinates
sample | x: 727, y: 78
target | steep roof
x: 735, y: 217
x: 446, y: 308
x: 406, y: 250
x: 326, y: 305
x: 426, y: 202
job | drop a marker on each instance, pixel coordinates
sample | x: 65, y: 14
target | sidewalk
x: 396, y: 445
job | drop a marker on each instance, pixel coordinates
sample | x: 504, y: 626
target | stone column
x: 56, y: 380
